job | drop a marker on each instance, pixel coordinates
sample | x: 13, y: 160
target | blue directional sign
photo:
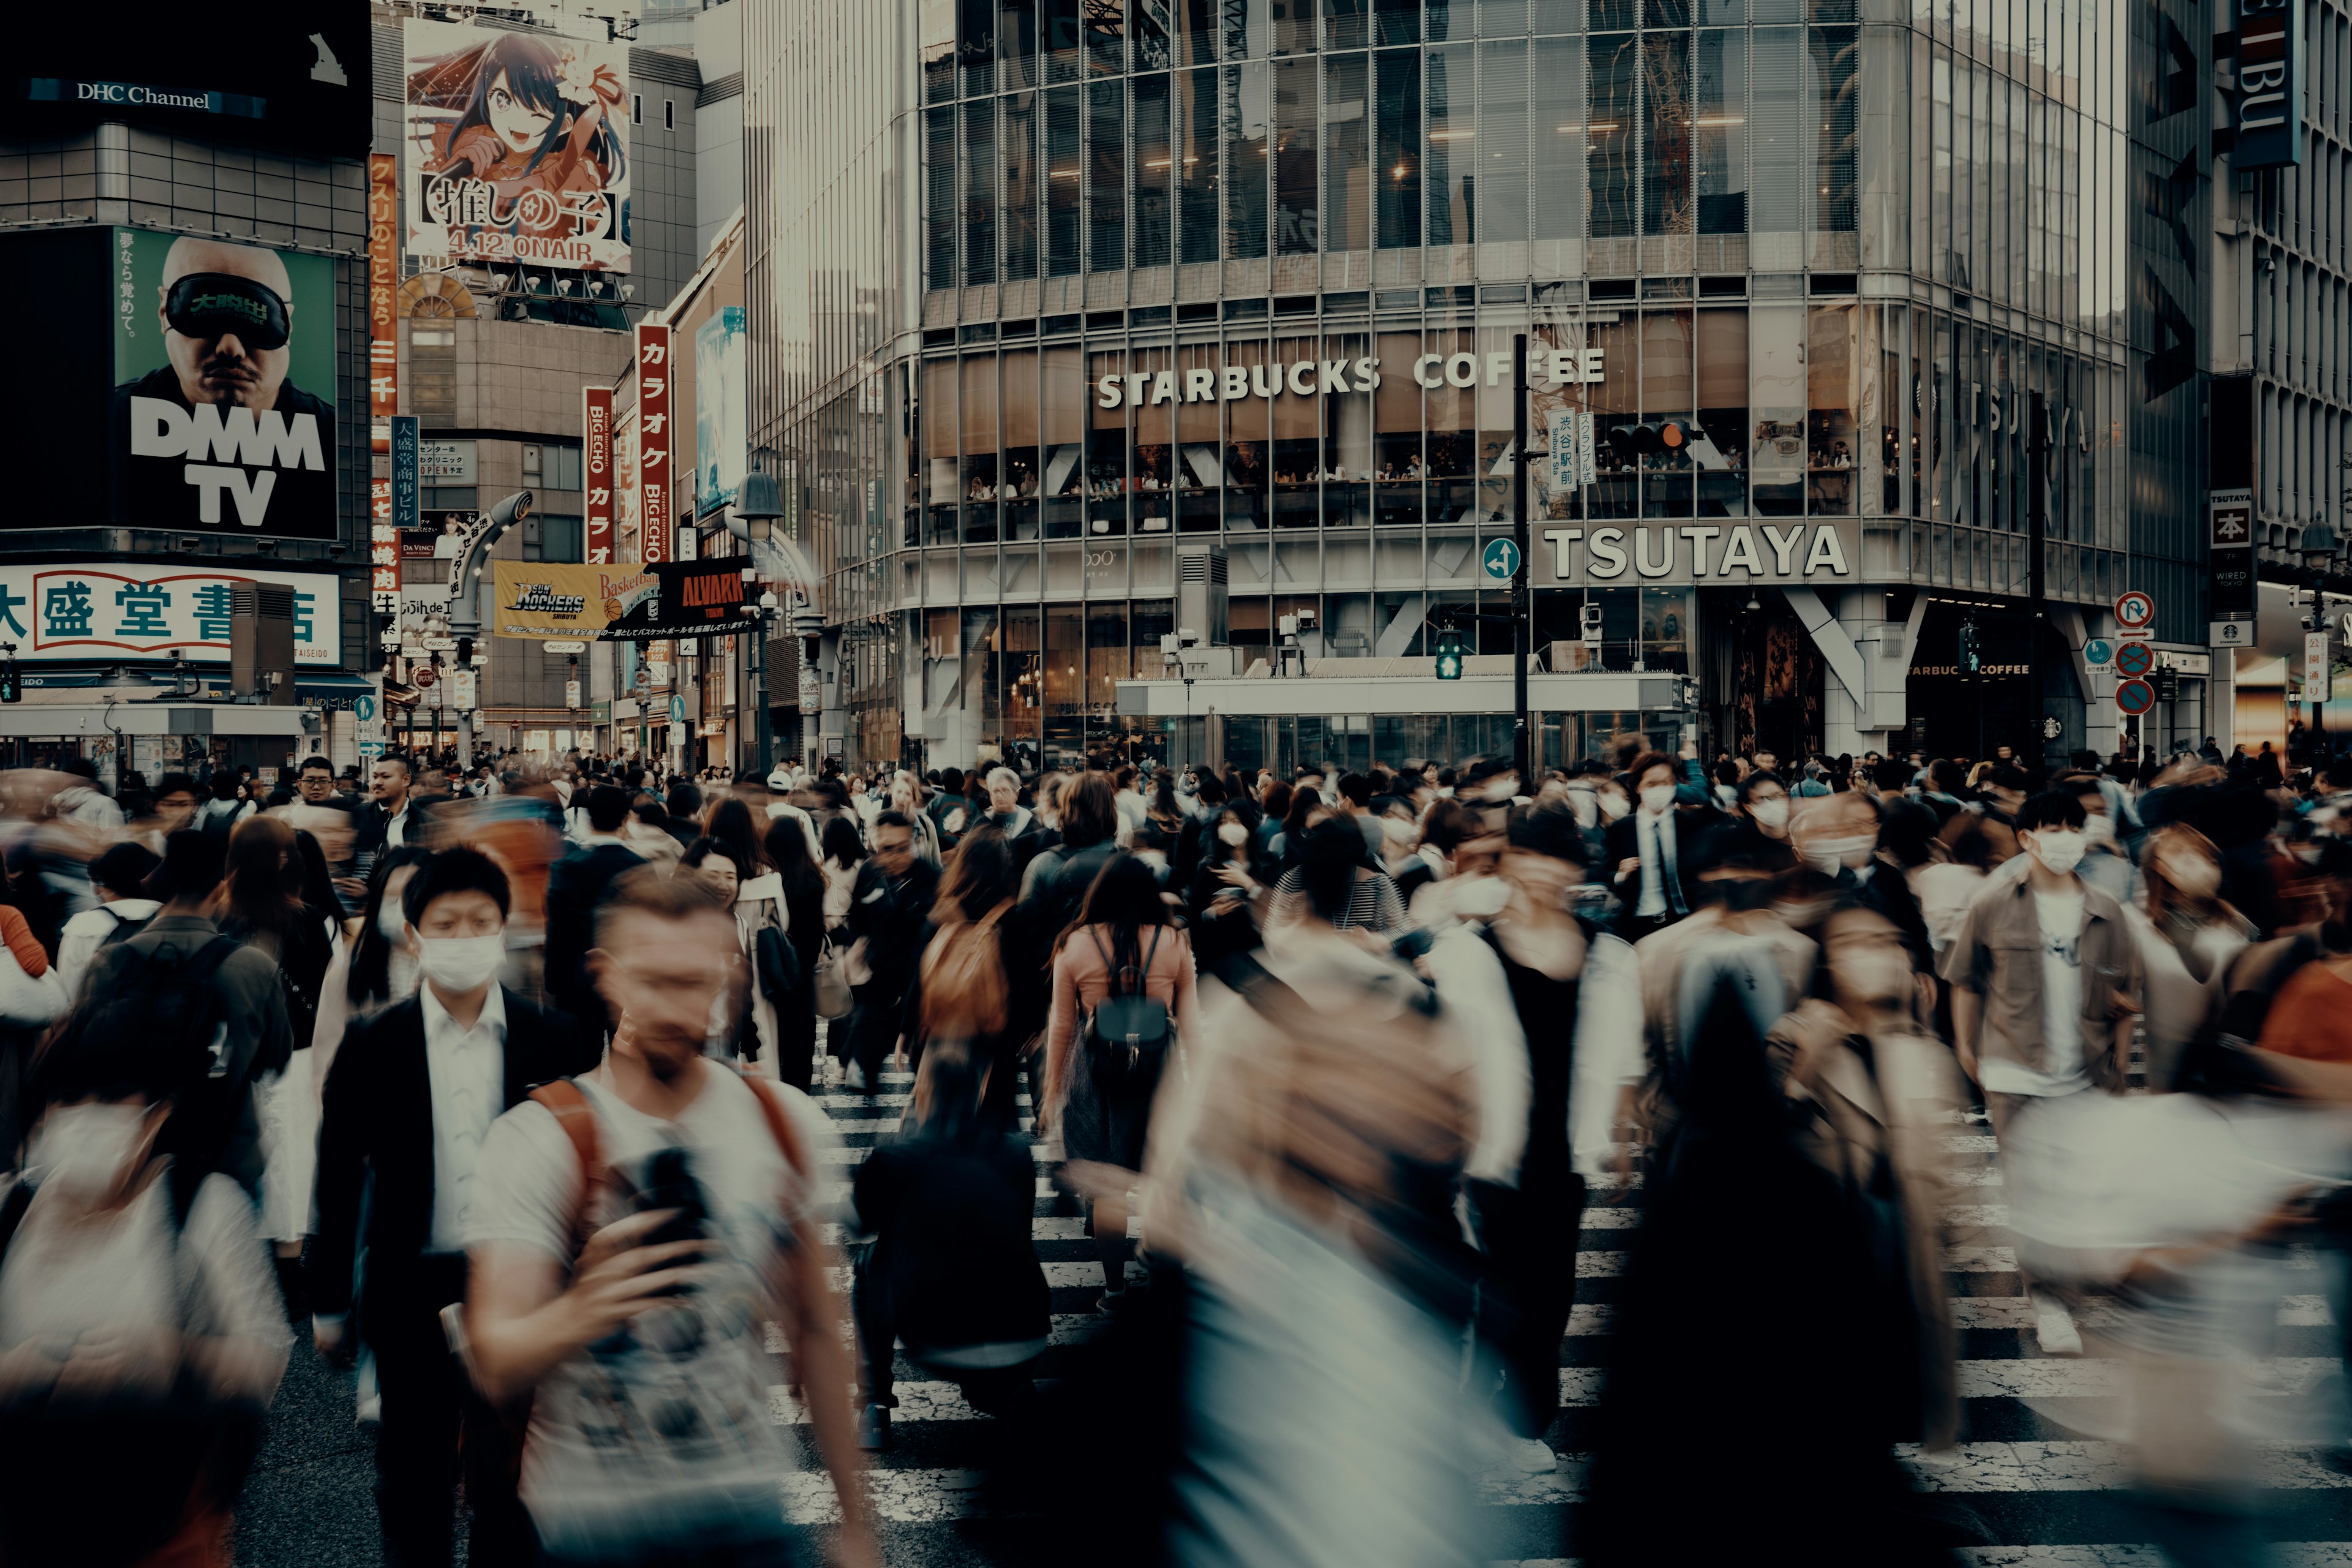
x: 1501, y: 559
x: 2098, y: 650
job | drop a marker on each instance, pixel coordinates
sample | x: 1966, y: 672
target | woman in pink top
x: 1123, y: 943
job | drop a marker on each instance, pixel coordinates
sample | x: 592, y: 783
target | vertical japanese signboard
x: 384, y: 278
x: 655, y: 519
x: 384, y: 550
x: 2270, y: 85
x: 407, y: 495
x: 596, y: 467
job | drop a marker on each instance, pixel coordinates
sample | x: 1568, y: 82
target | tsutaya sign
x: 1310, y: 378
x: 1810, y: 552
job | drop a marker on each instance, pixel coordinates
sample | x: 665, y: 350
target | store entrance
x: 1957, y: 714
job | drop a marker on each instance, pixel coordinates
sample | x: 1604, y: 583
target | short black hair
x: 2010, y: 777
x: 894, y: 819
x: 2052, y: 808
x: 608, y: 808
x: 1356, y: 790
x: 683, y: 800
x: 191, y: 868
x: 319, y: 762
x: 1548, y: 828
x: 171, y: 784
x: 1892, y: 775
x: 401, y: 763
x: 455, y: 870
x: 1757, y: 780
x: 124, y: 870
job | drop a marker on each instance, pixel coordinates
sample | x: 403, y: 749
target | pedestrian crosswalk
x: 2039, y: 1486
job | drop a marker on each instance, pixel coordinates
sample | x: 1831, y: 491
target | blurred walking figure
x: 2187, y: 938
x: 140, y: 1330
x: 948, y: 1265
x: 974, y: 946
x: 893, y: 896
x: 1124, y: 1000
x: 631, y: 1230
x: 1304, y: 1168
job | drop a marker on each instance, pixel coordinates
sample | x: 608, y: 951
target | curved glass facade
x: 1802, y: 258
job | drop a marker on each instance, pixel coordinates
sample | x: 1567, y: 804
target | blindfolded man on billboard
x: 219, y: 436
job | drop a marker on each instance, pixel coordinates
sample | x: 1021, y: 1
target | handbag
x: 833, y: 998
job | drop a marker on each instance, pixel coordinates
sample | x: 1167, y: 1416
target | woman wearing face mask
x: 142, y: 1344
x: 1760, y: 816
x: 1224, y: 890
x: 2187, y: 936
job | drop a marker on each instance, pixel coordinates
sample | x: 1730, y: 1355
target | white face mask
x: 2099, y: 827
x: 1480, y: 898
x: 1231, y: 834
x: 84, y: 1151
x: 1655, y: 798
x: 2059, y: 850
x: 1831, y: 854
x: 1612, y: 806
x: 1773, y: 813
x: 461, y: 963
x: 2193, y: 875
x: 389, y: 922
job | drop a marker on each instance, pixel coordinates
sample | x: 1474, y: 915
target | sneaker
x: 2055, y: 1327
x: 1111, y: 1303
x: 831, y: 1072
x: 853, y: 1078
x: 874, y: 1428
x: 1532, y: 1455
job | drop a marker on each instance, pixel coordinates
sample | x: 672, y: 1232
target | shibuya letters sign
x: 1801, y: 552
x: 1315, y: 378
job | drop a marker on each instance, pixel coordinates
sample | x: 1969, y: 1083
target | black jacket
x: 890, y: 912
x: 370, y: 823
x: 575, y: 885
x: 1623, y: 845
x: 375, y: 1136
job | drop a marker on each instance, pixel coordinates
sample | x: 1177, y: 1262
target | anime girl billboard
x: 516, y: 147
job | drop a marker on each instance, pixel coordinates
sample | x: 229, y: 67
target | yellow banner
x: 543, y: 602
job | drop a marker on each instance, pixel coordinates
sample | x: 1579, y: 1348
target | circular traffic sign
x: 363, y: 707
x: 2098, y: 650
x: 1501, y: 559
x: 2135, y: 658
x: 2135, y: 610
x: 2134, y: 697
x: 422, y: 676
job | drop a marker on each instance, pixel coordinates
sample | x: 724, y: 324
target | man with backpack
x: 413, y: 1093
x: 218, y: 1004
x: 631, y: 1230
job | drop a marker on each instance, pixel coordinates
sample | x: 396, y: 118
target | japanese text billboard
x: 116, y: 610
x: 224, y: 417
x: 596, y: 468
x: 384, y: 282
x: 516, y: 147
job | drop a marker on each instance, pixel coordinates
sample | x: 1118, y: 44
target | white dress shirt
x: 467, y: 1071
x: 395, y: 827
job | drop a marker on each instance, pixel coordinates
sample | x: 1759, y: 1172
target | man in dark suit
x: 392, y: 815
x: 1649, y: 849
x: 575, y: 887
x: 412, y: 1095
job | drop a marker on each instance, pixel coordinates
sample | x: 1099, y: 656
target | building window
x: 1452, y: 143
x: 1346, y: 199
x: 637, y: 109
x: 1154, y: 158
x: 552, y: 540
x: 550, y: 465
x: 669, y: 114
x: 1064, y: 180
x: 1247, y: 140
x: 433, y: 375
x: 1196, y: 178
x: 1106, y: 176
x: 1019, y: 151
x: 1296, y: 230
x: 1396, y: 171
x: 940, y: 199
x: 979, y: 191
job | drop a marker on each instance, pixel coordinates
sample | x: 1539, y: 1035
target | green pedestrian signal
x: 11, y: 684
x: 1449, y: 655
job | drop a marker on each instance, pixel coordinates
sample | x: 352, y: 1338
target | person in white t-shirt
x: 650, y: 1439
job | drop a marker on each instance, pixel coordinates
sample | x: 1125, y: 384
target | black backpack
x: 1127, y: 1034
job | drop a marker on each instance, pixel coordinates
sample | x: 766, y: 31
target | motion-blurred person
x: 975, y: 947
x: 1057, y: 879
x: 845, y: 849
x: 215, y: 996
x: 33, y: 996
x: 1124, y: 999
x: 906, y: 798
x: 1875, y: 1116
x: 2045, y: 979
x: 801, y: 890
x: 174, y: 807
x: 377, y: 968
x: 119, y: 877
x: 575, y: 887
x: 142, y: 1339
x: 696, y: 1191
x: 1443, y: 828
x: 1322, y: 853
x: 948, y: 1265
x: 2186, y: 938
x: 409, y: 1102
x: 893, y: 897
x: 1539, y: 982
x: 1760, y: 814
x: 1304, y: 1168
x: 1226, y: 895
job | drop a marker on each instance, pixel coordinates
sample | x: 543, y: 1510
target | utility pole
x: 1522, y: 601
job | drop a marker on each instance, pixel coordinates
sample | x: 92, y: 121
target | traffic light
x: 1650, y: 437
x: 11, y: 684
x: 1971, y: 649
x: 465, y: 650
x: 1449, y: 655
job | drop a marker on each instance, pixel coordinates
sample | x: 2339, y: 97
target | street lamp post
x: 2318, y: 548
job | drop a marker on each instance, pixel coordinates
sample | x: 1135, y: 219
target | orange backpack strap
x: 780, y: 1122
x: 578, y: 1119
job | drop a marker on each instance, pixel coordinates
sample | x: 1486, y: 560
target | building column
x: 1863, y: 696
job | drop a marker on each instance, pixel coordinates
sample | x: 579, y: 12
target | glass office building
x: 1249, y: 273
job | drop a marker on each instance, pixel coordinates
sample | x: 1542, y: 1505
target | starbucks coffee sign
x: 1316, y: 378
x: 1814, y: 553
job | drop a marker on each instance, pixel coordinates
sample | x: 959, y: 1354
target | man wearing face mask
x: 1840, y: 841
x: 2045, y: 980
x: 408, y: 1103
x: 1761, y: 818
x: 1646, y: 850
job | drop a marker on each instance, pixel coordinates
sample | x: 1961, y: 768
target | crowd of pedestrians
x: 500, y: 1086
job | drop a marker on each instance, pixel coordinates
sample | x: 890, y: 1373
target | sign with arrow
x: 1501, y: 559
